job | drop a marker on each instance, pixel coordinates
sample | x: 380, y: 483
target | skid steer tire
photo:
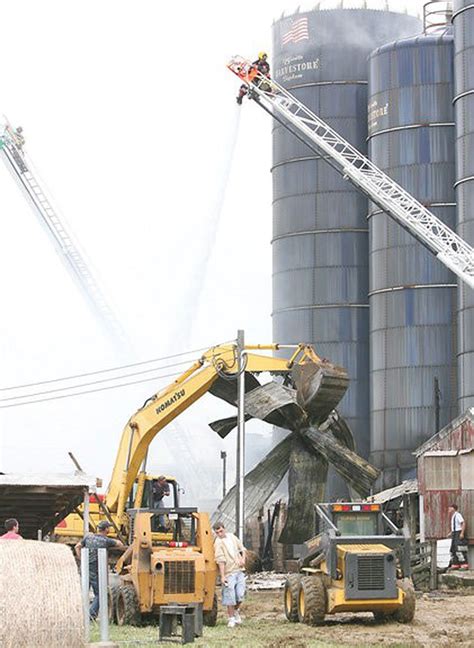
x: 383, y: 617
x: 112, y: 595
x: 290, y: 597
x: 311, y: 600
x: 127, y: 608
x: 209, y: 617
x: 406, y: 612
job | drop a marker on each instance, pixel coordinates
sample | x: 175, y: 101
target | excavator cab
x: 147, y: 500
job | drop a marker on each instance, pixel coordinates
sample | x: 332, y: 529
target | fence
x: 424, y: 568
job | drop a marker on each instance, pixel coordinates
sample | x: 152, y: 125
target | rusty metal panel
x: 442, y: 472
x: 456, y: 435
x: 437, y: 518
x: 436, y: 513
x: 466, y: 507
x: 467, y: 471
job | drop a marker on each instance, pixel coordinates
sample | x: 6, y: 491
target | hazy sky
x: 130, y: 118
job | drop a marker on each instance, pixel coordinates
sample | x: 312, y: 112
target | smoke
x: 188, y: 309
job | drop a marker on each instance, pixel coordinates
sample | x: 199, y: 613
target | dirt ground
x: 442, y: 619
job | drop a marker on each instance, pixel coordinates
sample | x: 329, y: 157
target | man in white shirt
x: 230, y: 558
x: 458, y: 530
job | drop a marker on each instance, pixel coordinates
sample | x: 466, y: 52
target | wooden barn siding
x: 436, y: 502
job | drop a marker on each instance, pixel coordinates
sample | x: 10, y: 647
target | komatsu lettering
x: 170, y: 401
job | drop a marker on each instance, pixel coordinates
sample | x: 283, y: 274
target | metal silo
x: 412, y: 294
x: 320, y: 234
x: 463, y: 21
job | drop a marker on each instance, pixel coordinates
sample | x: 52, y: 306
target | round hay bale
x: 40, y: 602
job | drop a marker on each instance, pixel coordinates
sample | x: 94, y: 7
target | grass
x: 264, y: 626
x: 254, y: 633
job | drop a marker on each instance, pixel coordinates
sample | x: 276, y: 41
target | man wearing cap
x: 93, y: 542
x: 160, y: 489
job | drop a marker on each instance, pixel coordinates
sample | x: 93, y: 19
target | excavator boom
x: 167, y: 404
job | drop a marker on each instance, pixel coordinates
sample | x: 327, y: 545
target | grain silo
x: 320, y: 233
x: 412, y: 294
x: 463, y: 21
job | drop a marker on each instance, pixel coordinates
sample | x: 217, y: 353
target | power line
x: 95, y: 373
x: 94, y: 382
x: 90, y: 391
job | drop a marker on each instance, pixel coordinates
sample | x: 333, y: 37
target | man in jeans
x: 93, y: 542
x: 230, y: 558
x: 458, y: 530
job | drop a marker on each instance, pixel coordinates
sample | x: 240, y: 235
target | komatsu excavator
x: 171, y: 547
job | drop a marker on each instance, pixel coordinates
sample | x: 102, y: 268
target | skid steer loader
x: 352, y: 565
x: 175, y: 567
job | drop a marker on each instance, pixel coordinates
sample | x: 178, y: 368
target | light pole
x: 240, y: 434
x: 224, y: 466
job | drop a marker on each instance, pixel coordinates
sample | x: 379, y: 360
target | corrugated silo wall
x: 463, y: 21
x: 320, y: 237
x: 412, y: 294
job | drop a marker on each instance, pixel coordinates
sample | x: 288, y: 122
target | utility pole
x: 239, y: 505
x: 224, y: 466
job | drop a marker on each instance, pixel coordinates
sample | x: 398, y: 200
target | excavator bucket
x: 320, y: 387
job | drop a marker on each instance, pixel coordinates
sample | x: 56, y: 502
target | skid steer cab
x: 176, y: 566
x: 357, y: 562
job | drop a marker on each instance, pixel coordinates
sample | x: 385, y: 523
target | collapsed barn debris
x: 319, y: 436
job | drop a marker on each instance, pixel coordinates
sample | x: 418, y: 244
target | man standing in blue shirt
x: 93, y: 542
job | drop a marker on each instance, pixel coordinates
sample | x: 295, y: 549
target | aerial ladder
x: 455, y: 253
x: 16, y: 161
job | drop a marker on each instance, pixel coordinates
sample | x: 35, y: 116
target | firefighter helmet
x: 262, y: 54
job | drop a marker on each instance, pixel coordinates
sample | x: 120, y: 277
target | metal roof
x: 40, y: 501
x: 405, y: 488
x: 439, y: 436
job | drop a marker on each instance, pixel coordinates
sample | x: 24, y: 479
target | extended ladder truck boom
x: 16, y: 161
x: 446, y: 245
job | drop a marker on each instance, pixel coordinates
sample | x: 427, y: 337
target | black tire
x: 209, y: 617
x: 290, y: 597
x: 112, y: 595
x: 311, y: 600
x: 127, y: 610
x: 406, y: 612
x: 383, y: 617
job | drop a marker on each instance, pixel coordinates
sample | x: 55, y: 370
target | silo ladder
x: 455, y: 253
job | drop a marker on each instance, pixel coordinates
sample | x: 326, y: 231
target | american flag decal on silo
x: 297, y: 32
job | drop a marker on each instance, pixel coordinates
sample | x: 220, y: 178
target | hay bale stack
x: 40, y: 602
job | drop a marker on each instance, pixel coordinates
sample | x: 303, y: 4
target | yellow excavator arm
x: 167, y: 404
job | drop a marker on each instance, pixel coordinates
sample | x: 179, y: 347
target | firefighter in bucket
x: 262, y: 66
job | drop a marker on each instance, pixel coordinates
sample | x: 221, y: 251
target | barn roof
x: 40, y: 500
x: 446, y: 431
